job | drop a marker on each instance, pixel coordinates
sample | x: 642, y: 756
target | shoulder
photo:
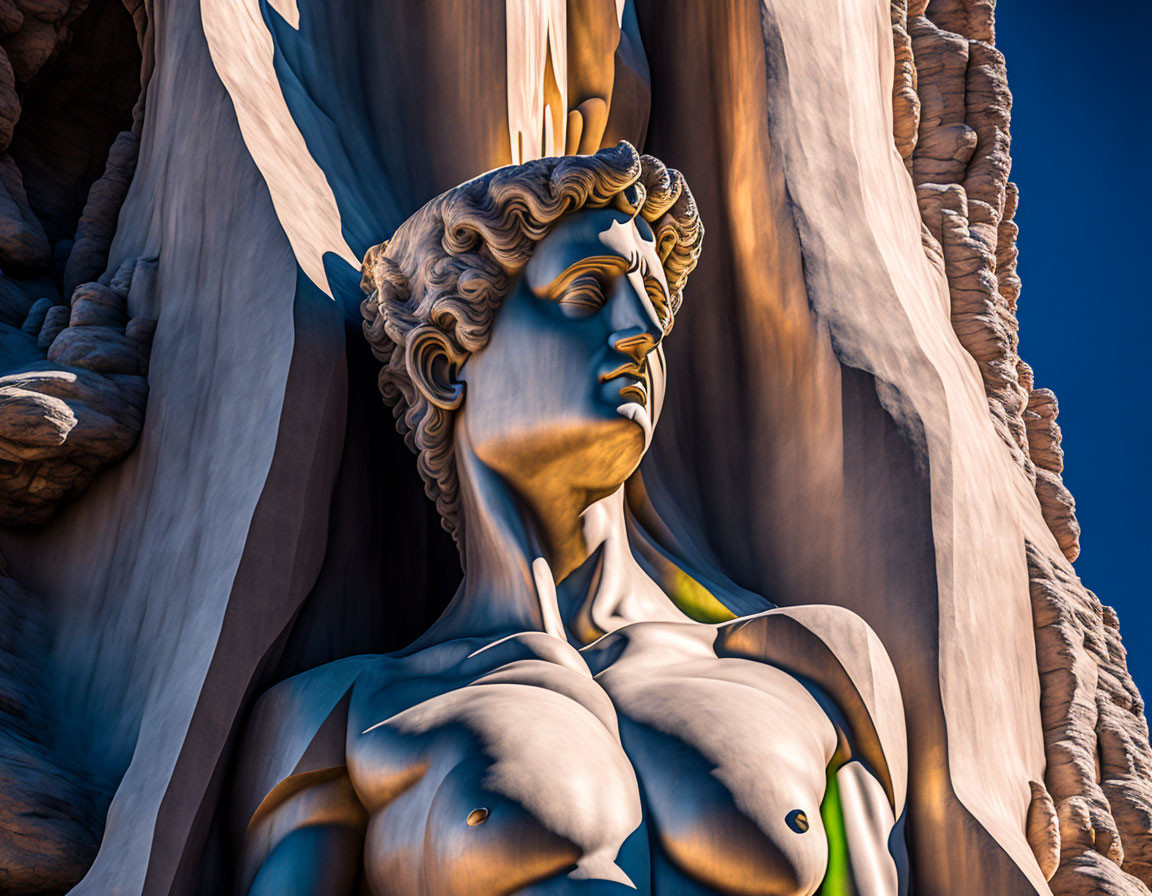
x: 838, y: 651
x: 297, y: 730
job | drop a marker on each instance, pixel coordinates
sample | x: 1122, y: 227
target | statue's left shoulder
x: 840, y: 653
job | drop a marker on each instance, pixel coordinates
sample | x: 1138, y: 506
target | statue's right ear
x: 429, y: 358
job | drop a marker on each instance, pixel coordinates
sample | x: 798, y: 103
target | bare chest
x: 673, y: 764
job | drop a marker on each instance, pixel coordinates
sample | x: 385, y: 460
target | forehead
x: 588, y: 233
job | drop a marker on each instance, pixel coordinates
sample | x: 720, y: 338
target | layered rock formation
x: 1099, y: 765
x: 952, y: 110
x: 80, y: 405
x: 72, y: 384
x: 69, y: 77
x: 951, y: 117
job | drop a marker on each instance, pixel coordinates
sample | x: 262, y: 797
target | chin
x: 638, y: 414
x: 621, y: 446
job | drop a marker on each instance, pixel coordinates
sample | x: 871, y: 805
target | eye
x: 583, y: 296
x: 659, y: 300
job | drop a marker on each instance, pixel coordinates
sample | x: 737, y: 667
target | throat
x: 516, y: 579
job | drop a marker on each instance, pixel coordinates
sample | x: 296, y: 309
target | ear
x: 429, y: 357
x: 630, y: 200
x: 665, y: 239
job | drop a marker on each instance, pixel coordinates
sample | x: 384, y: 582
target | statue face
x: 563, y: 389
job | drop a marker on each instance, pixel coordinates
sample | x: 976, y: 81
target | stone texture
x: 240, y: 361
x: 1043, y: 829
x: 905, y: 99
x: 826, y: 342
x: 74, y: 101
x: 9, y: 99
x: 1096, y: 737
x: 30, y: 47
x: 98, y: 222
x: 72, y: 392
x: 960, y: 163
x: 11, y: 18
x: 97, y: 305
x: 823, y: 375
x: 67, y: 416
x: 37, y: 79
x: 22, y: 239
x: 51, y: 805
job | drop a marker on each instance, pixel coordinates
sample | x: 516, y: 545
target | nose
x: 634, y: 343
x: 636, y: 328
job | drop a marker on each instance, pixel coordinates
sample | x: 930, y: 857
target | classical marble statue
x: 565, y: 727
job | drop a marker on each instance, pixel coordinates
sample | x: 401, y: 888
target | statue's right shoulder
x: 297, y: 730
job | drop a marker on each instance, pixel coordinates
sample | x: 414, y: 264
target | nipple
x: 796, y: 820
x: 479, y: 816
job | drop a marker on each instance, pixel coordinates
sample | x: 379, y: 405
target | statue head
x: 525, y: 306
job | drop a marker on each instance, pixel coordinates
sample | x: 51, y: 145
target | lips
x: 635, y: 386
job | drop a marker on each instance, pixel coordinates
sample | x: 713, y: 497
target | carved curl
x: 451, y: 264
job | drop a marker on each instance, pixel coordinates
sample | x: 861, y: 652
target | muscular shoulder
x: 297, y: 730
x: 838, y: 651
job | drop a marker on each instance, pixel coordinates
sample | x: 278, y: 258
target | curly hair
x: 451, y: 264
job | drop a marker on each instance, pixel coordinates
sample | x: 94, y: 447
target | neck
x: 514, y: 558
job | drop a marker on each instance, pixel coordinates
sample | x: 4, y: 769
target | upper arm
x: 865, y: 840
x: 322, y: 860
x: 291, y: 779
x: 306, y: 838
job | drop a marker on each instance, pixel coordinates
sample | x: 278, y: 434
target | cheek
x: 531, y: 372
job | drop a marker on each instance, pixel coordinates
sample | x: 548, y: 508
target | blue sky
x: 1081, y: 78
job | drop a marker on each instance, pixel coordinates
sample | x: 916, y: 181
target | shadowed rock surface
x: 73, y: 381
x: 51, y: 806
x: 72, y: 374
x: 76, y: 410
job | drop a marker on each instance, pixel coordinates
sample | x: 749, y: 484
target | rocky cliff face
x: 72, y: 370
x: 952, y: 114
x: 73, y: 377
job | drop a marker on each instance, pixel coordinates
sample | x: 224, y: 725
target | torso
x: 641, y: 763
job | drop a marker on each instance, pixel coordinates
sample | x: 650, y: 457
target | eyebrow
x: 566, y: 276
x: 652, y: 285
